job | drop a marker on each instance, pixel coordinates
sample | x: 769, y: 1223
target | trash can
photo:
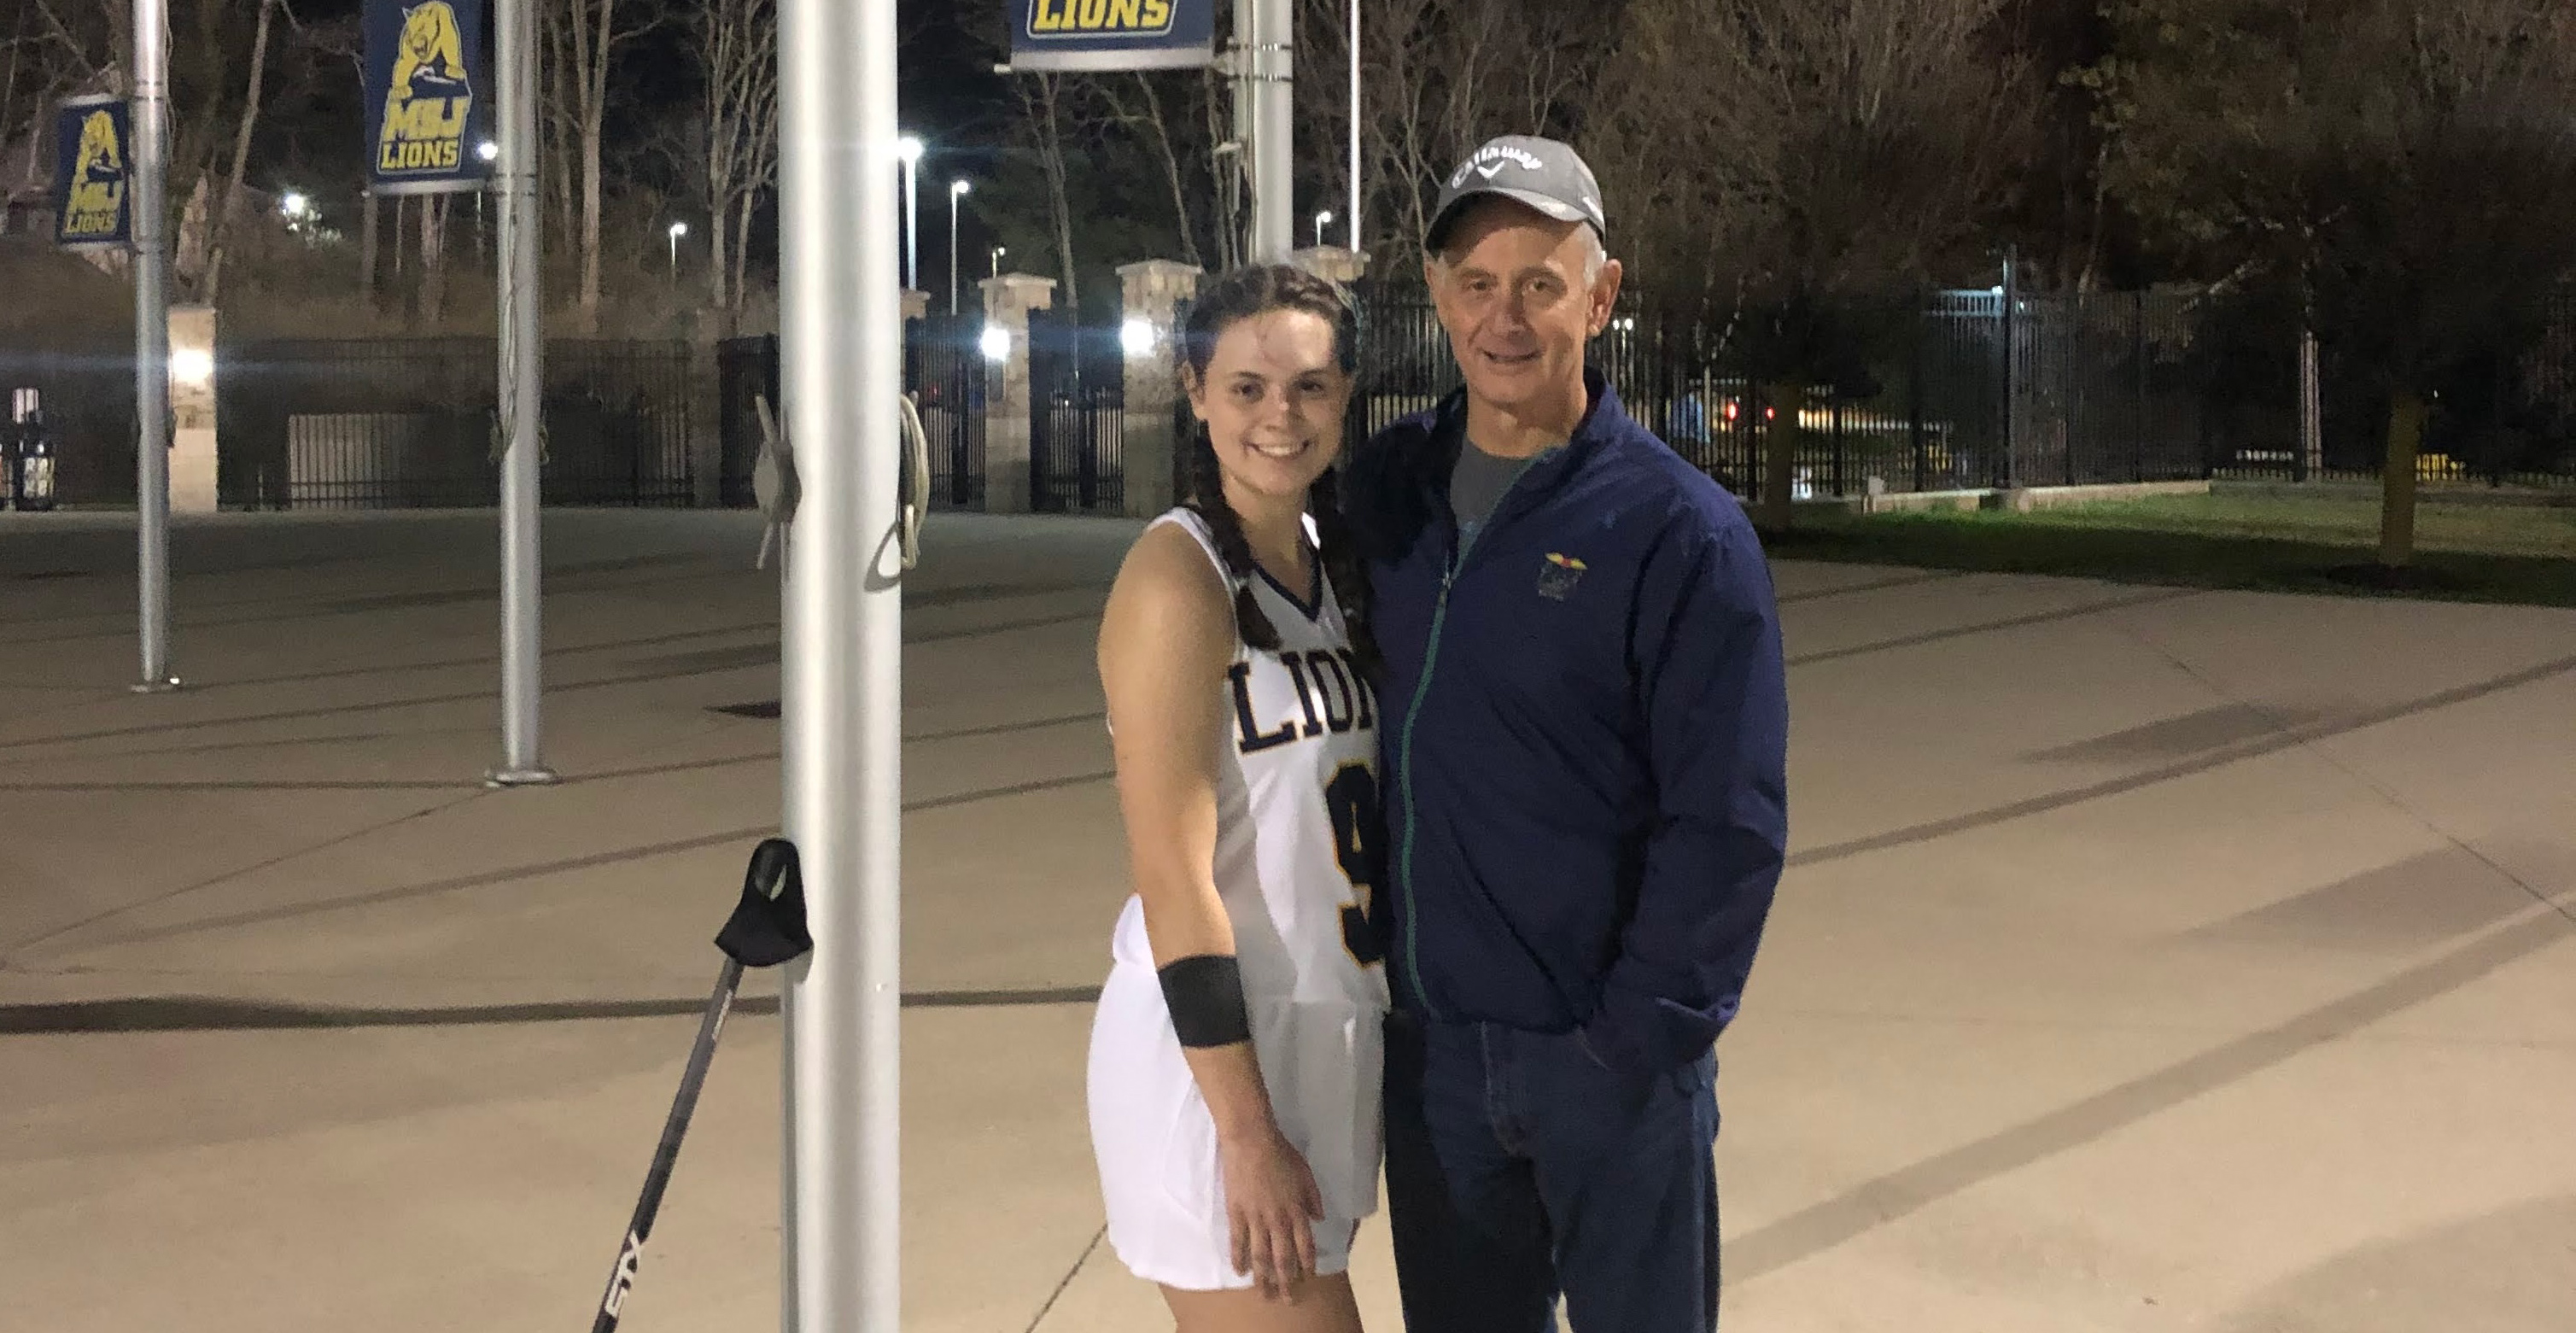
x: 27, y: 454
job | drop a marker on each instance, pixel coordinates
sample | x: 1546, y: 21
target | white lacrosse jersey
x: 1297, y: 809
x: 1297, y: 862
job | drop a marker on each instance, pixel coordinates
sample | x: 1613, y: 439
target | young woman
x: 1235, y: 1060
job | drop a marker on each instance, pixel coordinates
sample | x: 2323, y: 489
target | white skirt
x: 1156, y: 1142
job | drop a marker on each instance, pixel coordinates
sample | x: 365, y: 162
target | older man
x: 1588, y: 811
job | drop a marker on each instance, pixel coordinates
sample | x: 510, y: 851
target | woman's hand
x: 1271, y: 1205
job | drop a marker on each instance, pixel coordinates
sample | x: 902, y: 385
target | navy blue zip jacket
x: 1586, y: 738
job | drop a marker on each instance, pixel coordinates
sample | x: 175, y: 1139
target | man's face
x: 1514, y: 299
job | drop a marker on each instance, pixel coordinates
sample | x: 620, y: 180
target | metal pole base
x: 520, y: 777
x: 154, y: 686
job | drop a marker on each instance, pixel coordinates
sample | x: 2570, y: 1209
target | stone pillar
x: 1151, y: 336
x: 1008, y: 300
x: 1339, y: 263
x: 192, y: 409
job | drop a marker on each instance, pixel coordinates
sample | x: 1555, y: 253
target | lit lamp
x: 911, y: 149
x: 957, y: 189
x: 192, y: 409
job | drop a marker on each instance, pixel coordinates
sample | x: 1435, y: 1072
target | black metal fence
x: 1077, y: 416
x: 87, y: 396
x: 2505, y: 418
x: 945, y: 371
x: 412, y: 423
x: 2093, y: 392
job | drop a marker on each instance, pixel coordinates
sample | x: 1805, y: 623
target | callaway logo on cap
x: 1542, y: 173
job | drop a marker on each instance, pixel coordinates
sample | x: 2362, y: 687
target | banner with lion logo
x: 91, y: 194
x: 425, y: 106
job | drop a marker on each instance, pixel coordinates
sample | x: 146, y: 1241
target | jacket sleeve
x: 1705, y: 652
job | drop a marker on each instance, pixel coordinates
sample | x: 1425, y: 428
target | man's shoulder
x: 1653, y: 475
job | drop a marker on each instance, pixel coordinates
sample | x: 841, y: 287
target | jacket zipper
x: 1413, y: 714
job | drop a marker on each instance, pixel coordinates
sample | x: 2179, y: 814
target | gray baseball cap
x: 1542, y: 173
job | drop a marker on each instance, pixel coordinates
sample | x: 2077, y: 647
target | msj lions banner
x: 426, y: 84
x: 1096, y: 35
x: 91, y: 198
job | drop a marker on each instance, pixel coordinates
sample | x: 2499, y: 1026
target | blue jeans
x: 1518, y: 1167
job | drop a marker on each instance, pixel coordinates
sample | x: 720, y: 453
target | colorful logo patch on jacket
x: 1556, y: 578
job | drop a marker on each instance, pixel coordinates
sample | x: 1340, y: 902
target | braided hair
x: 1244, y: 294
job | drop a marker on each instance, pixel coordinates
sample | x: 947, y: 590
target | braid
x: 1207, y: 500
x: 1346, y: 566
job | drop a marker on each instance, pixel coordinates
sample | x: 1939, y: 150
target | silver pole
x: 151, y: 163
x: 1355, y: 126
x: 952, y: 249
x: 1274, y: 227
x: 911, y: 224
x: 841, y: 349
x: 522, y: 346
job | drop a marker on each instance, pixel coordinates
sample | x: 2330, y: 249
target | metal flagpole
x: 841, y: 362
x: 1355, y: 126
x: 1274, y: 229
x: 151, y: 163
x: 522, y: 344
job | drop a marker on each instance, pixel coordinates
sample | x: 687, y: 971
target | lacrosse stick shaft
x: 621, y: 1280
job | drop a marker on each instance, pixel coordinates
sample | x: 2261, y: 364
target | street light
x: 957, y: 189
x: 294, y: 205
x: 1322, y: 220
x: 678, y: 230
x: 998, y: 252
x: 910, y: 149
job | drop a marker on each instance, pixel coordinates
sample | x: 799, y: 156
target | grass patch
x: 2479, y: 553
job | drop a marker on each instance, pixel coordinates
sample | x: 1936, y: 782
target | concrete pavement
x: 2150, y: 960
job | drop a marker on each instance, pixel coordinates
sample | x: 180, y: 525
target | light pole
x: 487, y: 152
x: 678, y: 230
x: 957, y: 189
x: 910, y: 150
x: 998, y: 252
x: 147, y: 158
x: 1322, y: 220
x: 1355, y: 126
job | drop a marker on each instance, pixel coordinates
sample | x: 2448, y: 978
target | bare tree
x: 737, y: 43
x: 1437, y: 78
x: 583, y: 37
x: 2405, y: 166
x: 1047, y: 103
x: 1146, y: 118
x: 1801, y: 163
x: 1227, y: 170
x: 433, y: 259
x: 228, y: 208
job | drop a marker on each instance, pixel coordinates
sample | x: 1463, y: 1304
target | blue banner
x: 92, y: 194
x: 425, y: 112
x: 1100, y: 35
